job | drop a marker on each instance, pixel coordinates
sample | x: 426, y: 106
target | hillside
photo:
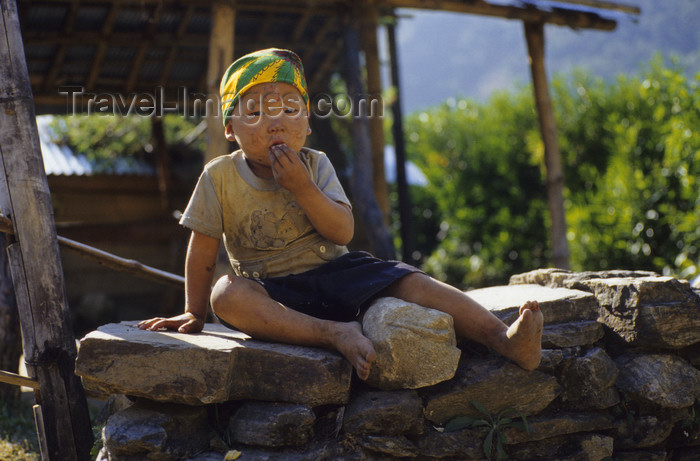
x: 472, y: 56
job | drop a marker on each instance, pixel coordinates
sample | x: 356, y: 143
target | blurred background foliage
x: 630, y: 150
x: 106, y: 140
x: 631, y: 153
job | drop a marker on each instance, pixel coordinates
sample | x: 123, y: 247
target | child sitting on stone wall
x: 285, y: 221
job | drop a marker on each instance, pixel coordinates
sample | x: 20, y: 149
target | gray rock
x: 558, y: 305
x: 216, y: 365
x: 548, y: 426
x: 607, y: 398
x: 691, y: 354
x: 496, y: 384
x: 584, y: 333
x: 272, y: 424
x: 415, y: 346
x: 663, y: 380
x: 312, y: 452
x: 573, y: 447
x: 550, y: 277
x: 684, y: 454
x: 587, y: 378
x: 643, y: 432
x: 660, y: 312
x: 552, y: 359
x: 384, y: 412
x: 464, y: 444
x: 161, y: 432
x: 560, y: 278
x: 656, y: 455
x: 597, y: 446
x: 395, y: 447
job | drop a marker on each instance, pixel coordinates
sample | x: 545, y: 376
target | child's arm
x: 202, y: 252
x: 331, y: 219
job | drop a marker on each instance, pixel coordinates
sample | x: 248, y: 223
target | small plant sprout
x: 495, y: 438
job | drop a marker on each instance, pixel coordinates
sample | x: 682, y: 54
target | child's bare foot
x: 355, y: 347
x: 525, y: 336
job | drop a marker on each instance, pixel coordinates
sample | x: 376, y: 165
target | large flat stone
x: 558, y: 305
x: 496, y: 384
x: 216, y: 365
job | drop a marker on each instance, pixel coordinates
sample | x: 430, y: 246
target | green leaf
x: 482, y: 409
x: 460, y: 422
x: 527, y: 426
x: 488, y: 443
x: 500, y: 452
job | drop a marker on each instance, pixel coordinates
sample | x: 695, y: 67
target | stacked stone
x: 649, y: 355
x: 619, y: 379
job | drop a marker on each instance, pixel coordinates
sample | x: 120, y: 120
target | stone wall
x: 619, y: 380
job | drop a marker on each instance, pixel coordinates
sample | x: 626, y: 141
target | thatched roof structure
x: 137, y: 46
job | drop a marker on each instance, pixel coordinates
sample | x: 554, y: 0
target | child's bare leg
x: 521, y: 342
x: 246, y: 305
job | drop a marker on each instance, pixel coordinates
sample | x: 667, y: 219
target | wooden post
x: 534, y: 34
x: 221, y: 43
x: 49, y: 345
x: 378, y: 233
x: 368, y: 32
x: 10, y: 341
x: 162, y: 161
x: 407, y: 234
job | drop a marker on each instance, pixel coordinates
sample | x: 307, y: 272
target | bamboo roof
x: 161, y: 47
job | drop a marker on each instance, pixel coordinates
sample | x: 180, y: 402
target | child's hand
x: 184, y: 323
x: 287, y: 168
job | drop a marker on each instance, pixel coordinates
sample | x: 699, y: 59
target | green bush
x: 631, y: 156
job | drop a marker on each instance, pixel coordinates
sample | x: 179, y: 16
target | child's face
x: 268, y: 114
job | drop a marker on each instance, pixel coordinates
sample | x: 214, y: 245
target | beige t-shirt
x: 265, y: 231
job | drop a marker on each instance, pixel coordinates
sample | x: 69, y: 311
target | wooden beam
x: 264, y: 27
x: 49, y: 344
x: 18, y: 380
x: 331, y: 59
x: 407, y: 232
x: 120, y: 39
x: 368, y: 36
x: 221, y: 44
x: 573, y: 19
x: 60, y: 56
x: 534, y: 34
x: 380, y: 238
x: 109, y: 260
x: 102, y: 44
x: 631, y: 9
x: 144, y: 45
x: 172, y: 52
x: 300, y: 27
x: 281, y: 6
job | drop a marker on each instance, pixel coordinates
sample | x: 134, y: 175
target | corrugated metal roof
x: 61, y: 160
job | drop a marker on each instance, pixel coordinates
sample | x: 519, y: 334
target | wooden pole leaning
x: 534, y: 34
x: 106, y: 259
x: 48, y: 340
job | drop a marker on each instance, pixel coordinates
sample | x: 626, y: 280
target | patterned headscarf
x: 264, y: 66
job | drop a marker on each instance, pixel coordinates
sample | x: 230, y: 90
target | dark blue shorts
x: 338, y: 290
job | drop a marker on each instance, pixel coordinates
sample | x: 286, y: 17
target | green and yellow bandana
x: 264, y: 66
